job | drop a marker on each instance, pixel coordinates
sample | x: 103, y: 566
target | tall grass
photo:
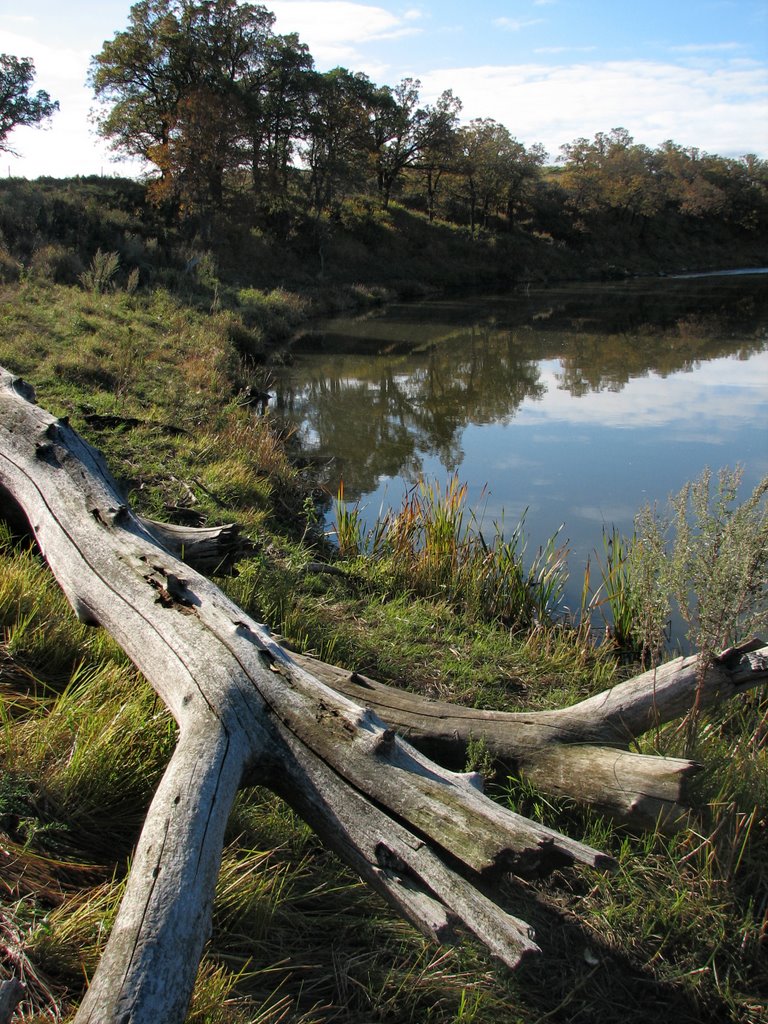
x: 434, y: 547
x: 101, y: 273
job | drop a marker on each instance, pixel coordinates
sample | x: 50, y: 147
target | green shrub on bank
x: 10, y: 268
x: 56, y: 263
x: 704, y: 558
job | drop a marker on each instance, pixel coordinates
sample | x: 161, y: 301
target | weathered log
x: 11, y: 993
x: 580, y: 752
x: 212, y: 550
x: 248, y: 711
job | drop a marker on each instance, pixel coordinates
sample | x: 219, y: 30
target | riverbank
x: 158, y: 381
x: 52, y: 229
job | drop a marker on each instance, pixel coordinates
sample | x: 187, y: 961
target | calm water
x: 579, y: 405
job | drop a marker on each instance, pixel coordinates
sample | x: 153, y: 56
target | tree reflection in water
x: 379, y: 394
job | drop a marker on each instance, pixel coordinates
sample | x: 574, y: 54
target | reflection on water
x: 580, y: 405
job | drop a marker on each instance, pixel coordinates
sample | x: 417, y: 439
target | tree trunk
x: 580, y: 752
x: 247, y: 711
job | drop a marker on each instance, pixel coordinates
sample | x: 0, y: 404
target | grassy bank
x: 157, y: 381
x: 51, y: 229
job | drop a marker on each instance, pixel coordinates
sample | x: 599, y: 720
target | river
x: 574, y: 406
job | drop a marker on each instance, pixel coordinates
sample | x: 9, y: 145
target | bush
x: 10, y: 269
x: 99, y: 276
x: 706, y: 559
x: 56, y: 263
x: 277, y: 312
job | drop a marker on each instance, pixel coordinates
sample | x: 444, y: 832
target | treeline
x: 228, y: 110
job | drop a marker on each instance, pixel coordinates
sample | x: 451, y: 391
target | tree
x: 18, y: 108
x: 488, y: 165
x: 400, y: 130
x: 437, y: 152
x: 140, y: 74
x: 611, y: 173
x: 337, y: 143
x: 274, y: 108
x: 174, y: 80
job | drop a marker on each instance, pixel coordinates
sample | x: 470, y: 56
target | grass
x: 433, y: 546
x: 679, y: 933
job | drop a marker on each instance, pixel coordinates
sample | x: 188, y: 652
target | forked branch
x: 423, y: 836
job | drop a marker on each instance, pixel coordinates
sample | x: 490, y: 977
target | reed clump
x: 434, y: 547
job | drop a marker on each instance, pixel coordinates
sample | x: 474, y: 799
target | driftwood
x: 580, y: 752
x: 423, y: 836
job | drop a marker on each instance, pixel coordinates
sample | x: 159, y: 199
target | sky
x: 551, y: 71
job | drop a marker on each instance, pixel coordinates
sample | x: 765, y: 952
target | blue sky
x: 695, y: 71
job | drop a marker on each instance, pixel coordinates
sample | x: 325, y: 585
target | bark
x: 580, y: 752
x: 423, y: 836
x: 212, y: 550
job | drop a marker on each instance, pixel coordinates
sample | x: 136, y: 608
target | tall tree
x: 173, y: 81
x: 437, y: 152
x: 337, y: 143
x: 18, y: 107
x: 401, y: 130
x: 493, y: 168
x: 611, y: 173
x: 274, y: 107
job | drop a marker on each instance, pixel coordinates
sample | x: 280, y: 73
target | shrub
x: 101, y: 273
x: 10, y: 269
x: 57, y: 263
x: 703, y: 559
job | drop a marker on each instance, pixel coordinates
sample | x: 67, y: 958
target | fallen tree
x: 423, y: 836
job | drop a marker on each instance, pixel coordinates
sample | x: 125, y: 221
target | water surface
x: 579, y: 405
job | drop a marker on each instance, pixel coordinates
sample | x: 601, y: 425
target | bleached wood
x: 581, y: 752
x: 244, y: 708
x: 12, y: 991
x: 247, y: 711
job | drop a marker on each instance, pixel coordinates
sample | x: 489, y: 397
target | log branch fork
x: 333, y: 745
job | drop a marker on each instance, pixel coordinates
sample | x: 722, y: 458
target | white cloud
x: 335, y: 30
x: 721, y: 110
x: 706, y: 47
x: 516, y: 24
x: 565, y: 49
x: 17, y: 19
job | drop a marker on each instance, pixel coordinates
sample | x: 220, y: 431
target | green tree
x: 274, y: 107
x: 438, y: 152
x: 701, y: 185
x: 337, y: 143
x: 611, y: 173
x: 493, y: 170
x: 18, y: 107
x: 401, y: 131
x: 173, y: 85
